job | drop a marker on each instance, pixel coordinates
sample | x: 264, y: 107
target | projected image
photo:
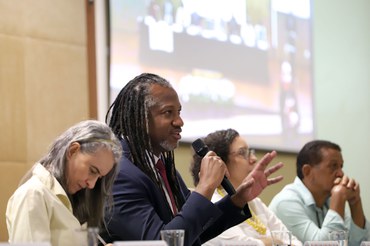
x: 243, y: 64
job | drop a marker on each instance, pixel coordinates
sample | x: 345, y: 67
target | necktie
x: 162, y: 171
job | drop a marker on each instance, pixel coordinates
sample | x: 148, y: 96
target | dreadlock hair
x: 128, y: 116
x: 219, y: 142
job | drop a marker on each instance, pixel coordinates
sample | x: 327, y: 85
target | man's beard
x: 167, y: 146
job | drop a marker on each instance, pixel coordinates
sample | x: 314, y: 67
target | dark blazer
x: 140, y: 210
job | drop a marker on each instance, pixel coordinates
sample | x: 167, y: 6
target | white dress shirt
x: 244, y: 231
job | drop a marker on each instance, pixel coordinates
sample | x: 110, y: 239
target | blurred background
x: 54, y: 72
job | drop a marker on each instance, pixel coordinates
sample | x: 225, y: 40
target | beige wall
x: 43, y: 82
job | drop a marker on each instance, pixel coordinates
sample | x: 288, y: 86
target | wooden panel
x: 56, y: 91
x: 11, y: 174
x: 12, y: 99
x: 62, y: 21
x: 43, y: 83
x: 91, y: 58
x: 12, y: 17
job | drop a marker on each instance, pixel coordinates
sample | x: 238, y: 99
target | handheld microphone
x: 202, y: 149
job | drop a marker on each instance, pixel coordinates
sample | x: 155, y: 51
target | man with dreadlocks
x: 146, y: 117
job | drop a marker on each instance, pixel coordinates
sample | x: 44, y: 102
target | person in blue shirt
x: 316, y: 202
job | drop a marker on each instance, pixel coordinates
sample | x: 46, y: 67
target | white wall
x: 342, y: 83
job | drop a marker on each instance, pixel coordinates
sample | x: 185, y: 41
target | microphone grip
x: 228, y: 186
x: 202, y: 149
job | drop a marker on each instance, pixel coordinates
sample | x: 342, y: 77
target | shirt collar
x: 51, y: 183
x: 306, y: 193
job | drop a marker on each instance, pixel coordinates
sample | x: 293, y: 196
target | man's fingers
x: 248, y: 183
x: 275, y: 180
x: 337, y: 181
x: 273, y: 169
x: 265, y: 160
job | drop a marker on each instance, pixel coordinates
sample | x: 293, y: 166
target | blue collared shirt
x: 296, y: 207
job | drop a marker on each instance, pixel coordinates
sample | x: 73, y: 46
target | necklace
x: 254, y: 221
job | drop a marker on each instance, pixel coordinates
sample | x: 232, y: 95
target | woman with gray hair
x: 67, y: 188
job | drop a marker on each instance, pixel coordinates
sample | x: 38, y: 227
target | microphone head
x: 200, y: 147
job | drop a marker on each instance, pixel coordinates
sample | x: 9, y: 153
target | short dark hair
x: 219, y: 142
x: 311, y: 154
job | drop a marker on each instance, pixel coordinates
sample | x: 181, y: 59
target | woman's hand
x: 257, y: 180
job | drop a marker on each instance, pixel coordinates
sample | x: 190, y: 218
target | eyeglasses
x: 246, y: 153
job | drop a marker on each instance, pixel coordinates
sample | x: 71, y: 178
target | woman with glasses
x: 67, y: 189
x: 240, y: 160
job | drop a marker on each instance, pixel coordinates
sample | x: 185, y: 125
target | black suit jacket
x: 140, y: 210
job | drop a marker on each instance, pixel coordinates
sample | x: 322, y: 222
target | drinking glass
x: 321, y: 243
x: 87, y: 236
x: 173, y: 237
x: 281, y: 238
x: 340, y: 236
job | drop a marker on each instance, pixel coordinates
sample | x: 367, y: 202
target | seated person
x: 315, y: 203
x: 149, y: 193
x: 240, y: 161
x: 66, y: 188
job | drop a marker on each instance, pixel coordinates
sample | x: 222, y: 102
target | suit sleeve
x: 140, y: 212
